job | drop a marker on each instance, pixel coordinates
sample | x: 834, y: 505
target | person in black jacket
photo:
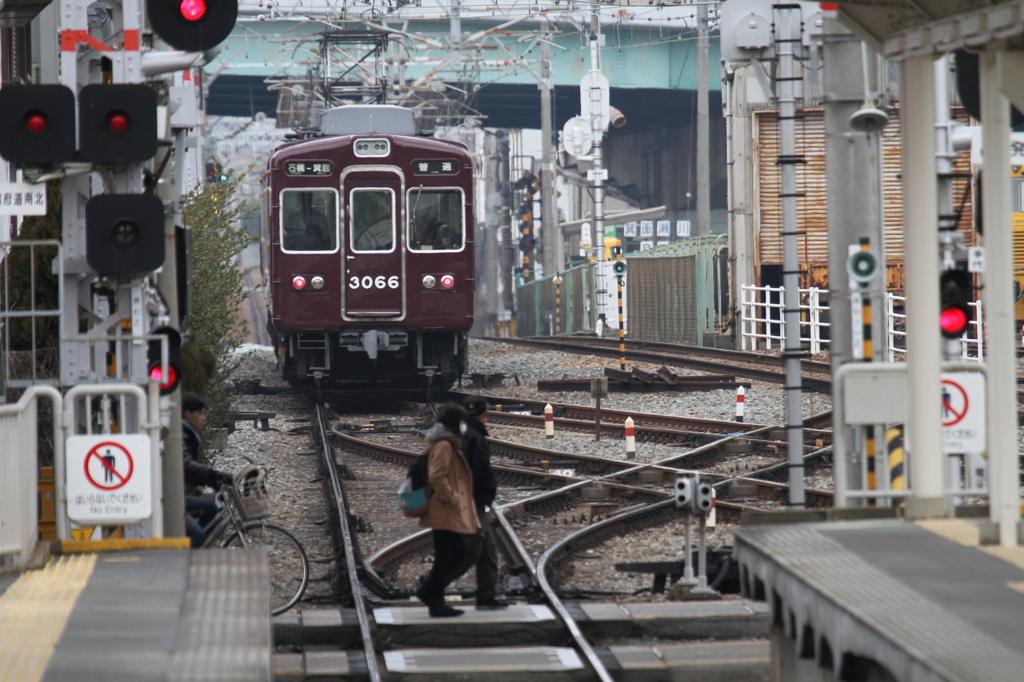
x: 483, y: 549
x: 193, y: 412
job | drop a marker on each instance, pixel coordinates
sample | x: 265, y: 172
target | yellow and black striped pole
x: 869, y: 431
x: 897, y: 472
x: 558, y: 304
x: 622, y: 327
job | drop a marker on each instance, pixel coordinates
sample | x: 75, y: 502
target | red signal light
x: 953, y: 321
x: 193, y: 10
x: 118, y: 122
x: 157, y: 374
x: 35, y: 122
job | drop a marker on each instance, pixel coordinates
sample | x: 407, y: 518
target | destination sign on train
x: 435, y: 167
x: 308, y: 168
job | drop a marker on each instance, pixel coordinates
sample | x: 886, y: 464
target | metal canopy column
x: 920, y: 235
x: 1004, y: 476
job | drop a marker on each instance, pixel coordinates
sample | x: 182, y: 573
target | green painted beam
x: 633, y: 56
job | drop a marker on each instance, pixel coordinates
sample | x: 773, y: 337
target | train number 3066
x: 379, y: 282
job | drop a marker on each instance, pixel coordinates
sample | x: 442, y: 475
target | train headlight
x: 429, y: 281
x: 317, y: 282
x: 372, y: 147
x: 299, y: 282
x: 447, y: 281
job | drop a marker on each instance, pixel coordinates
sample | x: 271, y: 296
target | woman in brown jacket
x: 451, y: 512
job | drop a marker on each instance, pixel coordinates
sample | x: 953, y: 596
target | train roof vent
x: 359, y: 119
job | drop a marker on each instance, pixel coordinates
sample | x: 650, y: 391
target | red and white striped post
x: 740, y: 393
x: 630, y: 439
x: 549, y: 421
x: 712, y: 516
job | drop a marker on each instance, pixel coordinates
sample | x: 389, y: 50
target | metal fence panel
x: 662, y: 295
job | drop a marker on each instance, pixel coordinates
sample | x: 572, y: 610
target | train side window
x: 309, y: 220
x: 373, y: 219
x: 436, y: 219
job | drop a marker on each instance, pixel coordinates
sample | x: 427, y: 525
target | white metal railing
x: 973, y: 340
x: 762, y: 323
x: 19, y: 471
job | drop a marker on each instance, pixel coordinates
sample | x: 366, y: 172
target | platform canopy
x: 908, y: 28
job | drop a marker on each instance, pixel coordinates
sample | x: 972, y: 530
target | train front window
x: 435, y: 219
x: 373, y: 219
x: 309, y: 220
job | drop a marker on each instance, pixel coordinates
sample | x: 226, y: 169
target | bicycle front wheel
x: 289, y: 567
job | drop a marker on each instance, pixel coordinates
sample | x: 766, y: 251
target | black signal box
x: 124, y: 233
x: 37, y: 124
x: 117, y: 123
x: 192, y: 25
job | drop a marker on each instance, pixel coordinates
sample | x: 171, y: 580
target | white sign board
x: 646, y: 245
x: 682, y: 228
x: 963, y: 413
x: 108, y: 479
x: 664, y: 228
x: 629, y: 229
x: 22, y: 198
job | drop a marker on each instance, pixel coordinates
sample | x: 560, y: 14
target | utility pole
x: 597, y: 173
x: 551, y: 233
x: 787, y: 34
x: 855, y: 211
x: 703, y: 150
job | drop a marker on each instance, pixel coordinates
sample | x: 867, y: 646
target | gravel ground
x: 287, y: 453
x: 764, y: 403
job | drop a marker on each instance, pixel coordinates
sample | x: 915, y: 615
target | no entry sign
x: 108, y: 479
x: 963, y: 413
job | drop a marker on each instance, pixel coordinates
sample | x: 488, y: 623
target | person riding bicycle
x: 193, y: 412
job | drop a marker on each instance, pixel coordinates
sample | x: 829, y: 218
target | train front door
x: 374, y: 254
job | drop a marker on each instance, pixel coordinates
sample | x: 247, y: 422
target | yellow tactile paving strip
x: 33, y: 613
x: 966, y: 533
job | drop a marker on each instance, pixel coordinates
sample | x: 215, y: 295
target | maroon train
x: 367, y: 253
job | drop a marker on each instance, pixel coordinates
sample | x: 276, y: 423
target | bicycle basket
x: 251, y: 493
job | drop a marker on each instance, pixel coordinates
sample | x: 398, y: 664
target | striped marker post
x: 894, y: 445
x: 558, y: 304
x: 740, y: 397
x: 712, y: 517
x: 549, y: 421
x: 630, y: 439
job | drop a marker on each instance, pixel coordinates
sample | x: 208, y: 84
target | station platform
x: 887, y: 599
x: 138, y: 615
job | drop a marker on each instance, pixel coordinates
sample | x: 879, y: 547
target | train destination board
x: 308, y: 168
x: 435, y: 167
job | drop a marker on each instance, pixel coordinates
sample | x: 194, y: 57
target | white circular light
x: 447, y: 281
x: 429, y: 281
x: 299, y: 282
x: 317, y: 282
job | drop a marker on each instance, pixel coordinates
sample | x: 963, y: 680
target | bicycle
x: 242, y: 507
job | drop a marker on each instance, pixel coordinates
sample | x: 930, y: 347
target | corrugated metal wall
x: 526, y: 313
x: 663, y: 301
x: 812, y: 207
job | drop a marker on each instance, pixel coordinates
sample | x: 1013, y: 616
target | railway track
x: 816, y: 375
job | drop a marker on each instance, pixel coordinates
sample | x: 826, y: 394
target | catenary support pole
x: 1001, y: 408
x: 920, y: 258
x: 703, y: 146
x: 787, y: 35
x: 551, y: 233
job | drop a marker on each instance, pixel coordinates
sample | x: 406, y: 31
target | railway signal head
x: 619, y: 268
x: 124, y: 233
x: 154, y: 353
x: 38, y: 123
x: 684, y: 492
x: 117, y: 122
x: 861, y: 267
x: 955, y: 297
x: 192, y: 25
x: 702, y: 501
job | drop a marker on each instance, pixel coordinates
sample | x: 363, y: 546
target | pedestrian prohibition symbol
x: 108, y: 479
x: 110, y: 463
x: 955, y: 403
x: 963, y: 413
